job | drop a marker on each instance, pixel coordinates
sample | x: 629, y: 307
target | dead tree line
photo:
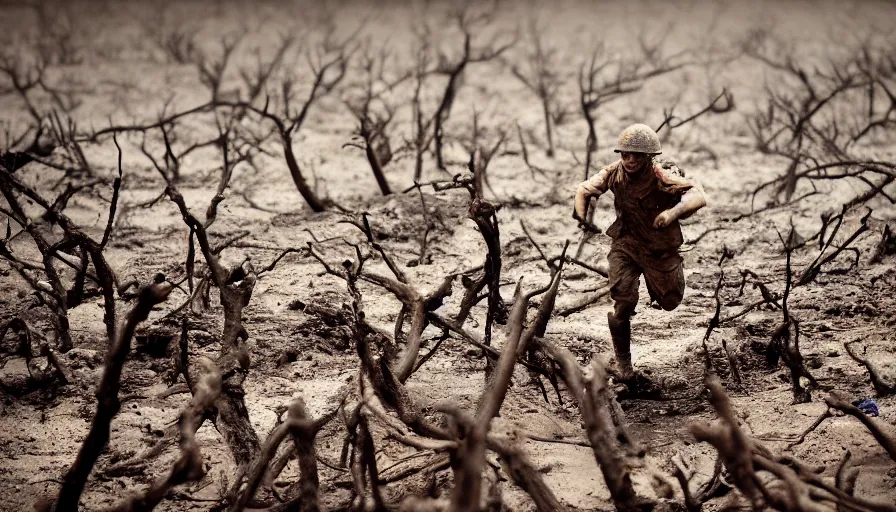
x: 430, y: 61
x: 328, y: 64
x: 810, y: 118
x: 48, y: 100
x: 327, y: 60
x: 382, y: 399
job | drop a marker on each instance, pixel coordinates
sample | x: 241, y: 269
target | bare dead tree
x: 234, y: 150
x: 52, y: 292
x: 306, y: 489
x: 177, y: 41
x: 422, y: 135
x: 602, y: 424
x: 72, y: 160
x: 390, y: 390
x: 481, y: 150
x: 714, y: 323
x: 524, y: 152
x: 328, y: 62
x: 373, y: 112
x: 43, y: 101
x: 468, y: 22
x: 255, y: 81
x: 212, y: 68
x: 784, y: 343
x: 540, y: 75
x: 57, y: 43
x: 179, y: 44
x: 235, y: 286
x: 826, y: 239
x: 470, y: 454
x: 430, y: 222
x: 605, y: 433
x: 303, y: 430
x: 785, y: 339
x: 413, y: 302
x: 484, y: 214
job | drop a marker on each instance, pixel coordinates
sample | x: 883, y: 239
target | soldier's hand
x: 586, y: 226
x: 664, y: 219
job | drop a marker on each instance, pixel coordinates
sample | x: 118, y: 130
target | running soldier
x: 649, y: 201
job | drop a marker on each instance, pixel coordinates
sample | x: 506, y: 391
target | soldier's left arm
x: 692, y: 196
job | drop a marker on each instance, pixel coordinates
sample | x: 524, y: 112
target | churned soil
x: 296, y: 353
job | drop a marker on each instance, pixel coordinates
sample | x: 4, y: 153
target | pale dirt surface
x: 121, y: 77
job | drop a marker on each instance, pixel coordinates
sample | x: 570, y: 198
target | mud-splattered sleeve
x: 600, y: 182
x: 672, y: 179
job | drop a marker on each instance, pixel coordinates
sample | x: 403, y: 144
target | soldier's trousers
x: 663, y: 272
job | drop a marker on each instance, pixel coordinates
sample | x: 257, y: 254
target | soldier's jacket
x: 638, y: 203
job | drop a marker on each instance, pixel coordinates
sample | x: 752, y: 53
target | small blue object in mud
x: 867, y: 406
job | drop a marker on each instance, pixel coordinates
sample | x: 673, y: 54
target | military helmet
x: 638, y: 138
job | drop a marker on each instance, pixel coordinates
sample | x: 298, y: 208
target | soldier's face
x: 634, y: 162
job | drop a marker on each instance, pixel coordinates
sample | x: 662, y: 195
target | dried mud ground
x: 41, y: 432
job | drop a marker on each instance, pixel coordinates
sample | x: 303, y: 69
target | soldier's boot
x: 621, y: 332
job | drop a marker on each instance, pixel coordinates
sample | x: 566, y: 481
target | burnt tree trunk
x: 376, y: 167
x: 232, y: 420
x: 296, y: 172
x: 483, y: 213
x: 547, y: 126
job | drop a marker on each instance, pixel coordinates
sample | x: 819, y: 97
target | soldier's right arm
x: 592, y: 187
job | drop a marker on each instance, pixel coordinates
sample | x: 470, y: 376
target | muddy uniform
x: 637, y: 246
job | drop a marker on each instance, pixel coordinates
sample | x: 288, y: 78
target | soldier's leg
x: 623, y: 273
x: 664, y: 276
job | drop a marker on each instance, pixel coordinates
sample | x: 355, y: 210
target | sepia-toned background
x: 271, y: 118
